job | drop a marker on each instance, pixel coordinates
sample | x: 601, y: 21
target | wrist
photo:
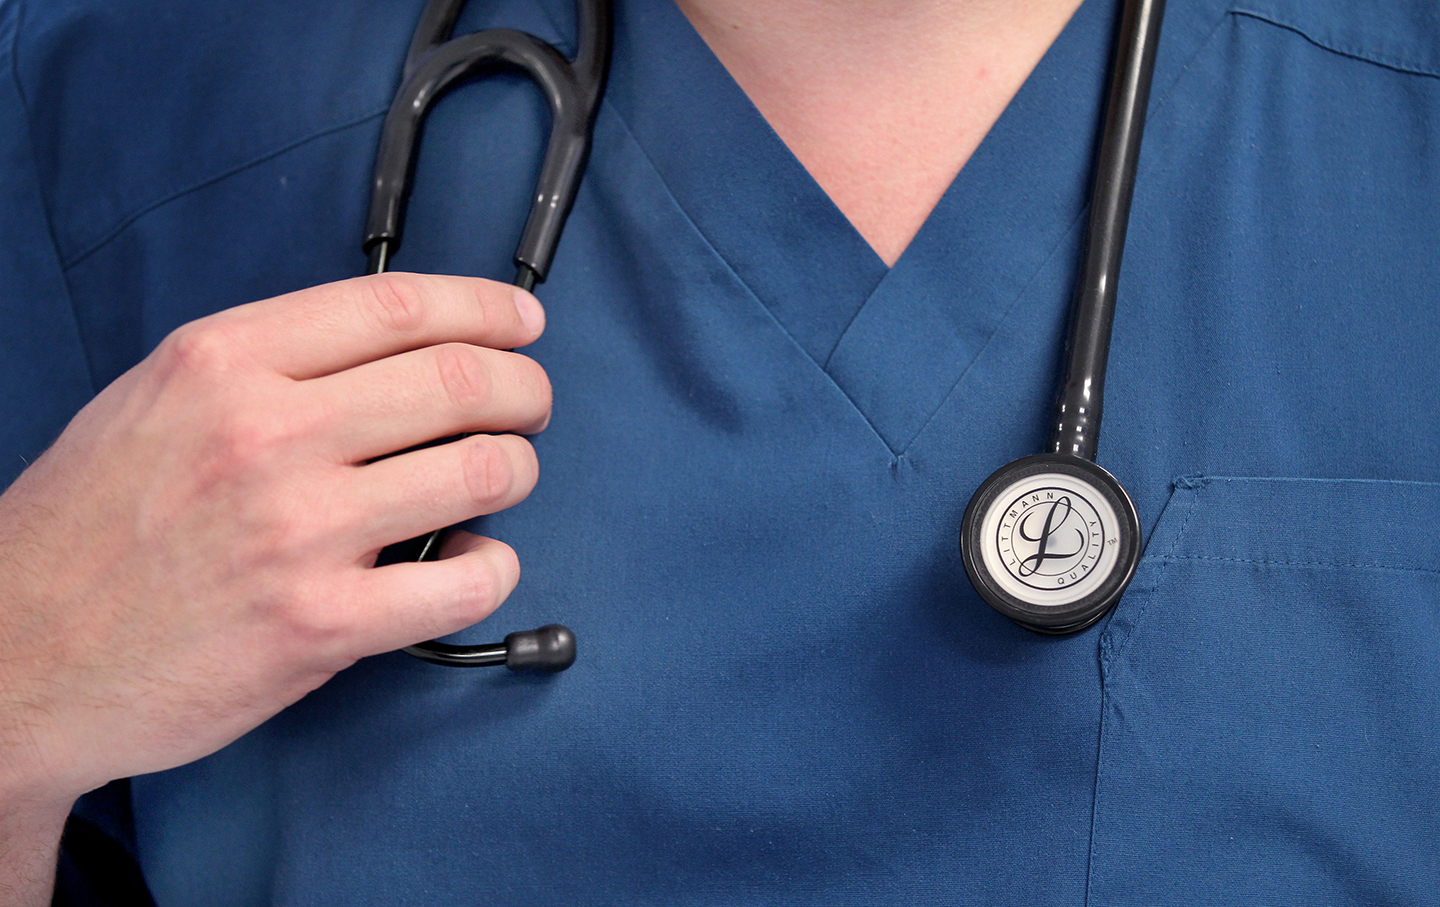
x: 30, y: 796
x: 34, y: 805
x: 33, y: 777
x: 29, y: 849
x: 33, y: 810
x: 42, y: 755
x: 27, y: 818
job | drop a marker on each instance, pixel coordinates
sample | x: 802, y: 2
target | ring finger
x: 409, y: 495
x: 410, y: 398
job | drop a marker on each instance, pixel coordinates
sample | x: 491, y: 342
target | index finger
x: 327, y: 329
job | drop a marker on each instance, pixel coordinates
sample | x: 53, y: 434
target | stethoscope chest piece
x: 1051, y: 541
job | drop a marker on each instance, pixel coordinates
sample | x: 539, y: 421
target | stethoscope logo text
x: 1050, y: 537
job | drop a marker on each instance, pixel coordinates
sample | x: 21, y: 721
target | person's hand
x: 196, y: 550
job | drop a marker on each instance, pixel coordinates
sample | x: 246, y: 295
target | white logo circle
x: 1050, y: 539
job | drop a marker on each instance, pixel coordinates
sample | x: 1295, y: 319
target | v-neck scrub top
x: 762, y: 445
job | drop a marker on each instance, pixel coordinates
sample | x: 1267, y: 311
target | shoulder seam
x: 1355, y: 53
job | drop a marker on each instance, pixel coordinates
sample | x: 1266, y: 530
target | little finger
x: 414, y: 602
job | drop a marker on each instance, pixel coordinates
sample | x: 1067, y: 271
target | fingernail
x: 531, y: 312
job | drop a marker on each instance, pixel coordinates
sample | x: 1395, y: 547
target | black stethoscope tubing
x: 1077, y: 412
x: 436, y: 63
x: 1067, y: 470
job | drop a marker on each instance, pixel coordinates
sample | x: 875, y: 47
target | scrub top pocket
x: 1272, y: 698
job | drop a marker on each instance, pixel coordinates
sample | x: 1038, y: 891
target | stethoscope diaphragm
x: 1051, y: 541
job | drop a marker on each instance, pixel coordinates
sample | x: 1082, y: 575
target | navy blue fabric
x: 1316, y: 758
x: 97, y: 870
x: 43, y: 373
x: 762, y: 445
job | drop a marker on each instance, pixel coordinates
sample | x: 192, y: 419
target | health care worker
x: 762, y: 443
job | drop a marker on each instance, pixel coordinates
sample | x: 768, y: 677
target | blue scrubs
x: 763, y: 442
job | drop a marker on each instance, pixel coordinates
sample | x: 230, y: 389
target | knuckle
x: 279, y: 532
x: 396, y: 301
x: 463, y: 377
x: 483, y: 314
x: 487, y: 474
x: 300, y: 600
x: 248, y: 465
x: 308, y: 617
x: 199, y: 348
x: 242, y: 439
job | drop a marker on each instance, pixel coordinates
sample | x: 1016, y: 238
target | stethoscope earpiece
x: 1051, y: 541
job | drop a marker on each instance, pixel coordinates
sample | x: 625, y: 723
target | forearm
x: 29, y: 844
x: 35, y: 795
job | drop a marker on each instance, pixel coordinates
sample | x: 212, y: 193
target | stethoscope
x: 1049, y: 540
x: 434, y: 65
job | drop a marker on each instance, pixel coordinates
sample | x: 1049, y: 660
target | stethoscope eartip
x: 550, y: 648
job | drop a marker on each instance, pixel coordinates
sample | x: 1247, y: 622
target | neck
x: 882, y: 101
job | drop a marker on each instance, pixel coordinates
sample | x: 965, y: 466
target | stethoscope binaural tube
x: 1052, y: 540
x: 435, y: 64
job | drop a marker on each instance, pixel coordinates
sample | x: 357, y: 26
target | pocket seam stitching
x: 1167, y: 558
